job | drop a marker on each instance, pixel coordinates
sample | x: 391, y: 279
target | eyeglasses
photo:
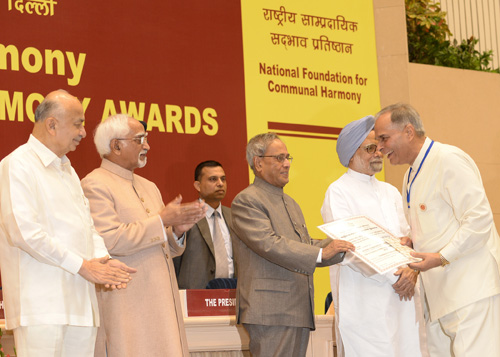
x: 280, y: 158
x: 370, y: 149
x: 138, y: 139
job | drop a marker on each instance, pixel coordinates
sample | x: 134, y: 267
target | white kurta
x: 450, y: 213
x: 371, y: 319
x: 46, y: 232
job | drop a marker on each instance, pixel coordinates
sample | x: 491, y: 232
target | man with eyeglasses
x: 374, y: 314
x: 453, y: 231
x: 129, y: 213
x: 275, y: 256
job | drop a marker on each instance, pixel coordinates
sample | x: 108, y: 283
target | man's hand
x: 429, y: 261
x: 118, y: 264
x: 336, y: 246
x: 405, y: 286
x: 111, y: 273
x: 406, y: 241
x: 182, y: 216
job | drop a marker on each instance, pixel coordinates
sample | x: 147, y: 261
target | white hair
x: 403, y: 114
x: 257, y: 146
x: 113, y: 127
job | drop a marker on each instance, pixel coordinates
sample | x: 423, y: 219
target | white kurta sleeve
x: 470, y: 206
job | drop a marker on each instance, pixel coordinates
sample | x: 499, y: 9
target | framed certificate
x: 375, y: 245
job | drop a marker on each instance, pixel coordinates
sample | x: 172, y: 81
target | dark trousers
x: 277, y: 341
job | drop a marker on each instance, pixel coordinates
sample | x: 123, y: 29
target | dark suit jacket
x: 196, y: 267
x: 276, y: 258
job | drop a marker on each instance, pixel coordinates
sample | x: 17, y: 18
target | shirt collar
x: 210, y: 210
x: 117, y: 169
x: 421, y: 154
x: 359, y: 176
x: 268, y: 187
x: 46, y: 155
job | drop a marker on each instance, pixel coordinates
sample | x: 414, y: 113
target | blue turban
x: 352, y: 136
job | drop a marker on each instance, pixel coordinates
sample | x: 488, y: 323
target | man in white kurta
x: 371, y: 317
x: 50, y: 253
x: 452, y: 228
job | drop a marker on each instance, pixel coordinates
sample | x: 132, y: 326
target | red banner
x: 176, y: 65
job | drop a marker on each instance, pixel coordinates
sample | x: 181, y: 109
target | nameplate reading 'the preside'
x: 211, y: 302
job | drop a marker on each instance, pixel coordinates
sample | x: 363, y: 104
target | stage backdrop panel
x: 310, y: 68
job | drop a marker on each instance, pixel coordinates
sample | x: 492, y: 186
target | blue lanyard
x: 408, y: 190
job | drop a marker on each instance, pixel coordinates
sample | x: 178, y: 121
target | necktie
x: 221, y: 263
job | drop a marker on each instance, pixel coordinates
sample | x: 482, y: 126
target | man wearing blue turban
x: 375, y: 314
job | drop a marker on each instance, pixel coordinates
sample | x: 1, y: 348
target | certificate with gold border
x: 375, y: 245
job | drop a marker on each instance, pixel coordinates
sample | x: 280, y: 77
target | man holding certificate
x: 453, y: 230
x: 275, y: 256
x: 374, y: 314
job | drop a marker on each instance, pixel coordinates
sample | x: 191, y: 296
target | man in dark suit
x: 276, y: 257
x: 209, y: 251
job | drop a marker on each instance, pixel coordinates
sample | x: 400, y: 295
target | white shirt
x: 225, y: 233
x: 46, y: 232
x: 372, y: 321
